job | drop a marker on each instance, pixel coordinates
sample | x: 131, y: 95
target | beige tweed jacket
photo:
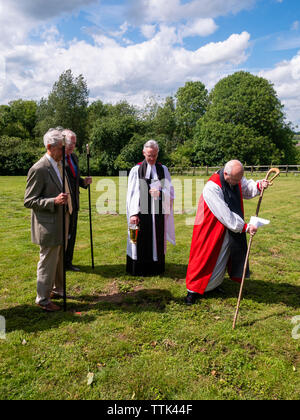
x: 42, y: 187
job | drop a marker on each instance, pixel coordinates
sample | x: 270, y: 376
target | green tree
x: 218, y: 142
x: 24, y: 112
x: 112, y: 132
x: 183, y: 154
x: 132, y: 153
x: 244, y: 120
x: 5, y: 117
x: 96, y: 110
x: 164, y: 123
x: 18, y: 119
x: 17, y: 155
x: 192, y: 100
x: 66, y: 106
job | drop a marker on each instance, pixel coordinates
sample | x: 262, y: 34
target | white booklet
x: 258, y: 221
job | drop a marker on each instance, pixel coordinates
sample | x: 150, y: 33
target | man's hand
x: 264, y: 184
x: 154, y: 193
x: 88, y: 180
x: 252, y: 230
x: 61, y: 199
x: 134, y: 220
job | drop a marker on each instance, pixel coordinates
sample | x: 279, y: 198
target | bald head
x: 233, y: 172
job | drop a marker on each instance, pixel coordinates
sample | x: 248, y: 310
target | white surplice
x: 133, y: 207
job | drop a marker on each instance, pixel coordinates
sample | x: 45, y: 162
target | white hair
x: 151, y: 144
x: 230, y: 165
x: 68, y: 135
x: 53, y: 137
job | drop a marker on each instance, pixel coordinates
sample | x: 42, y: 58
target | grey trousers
x: 50, y: 271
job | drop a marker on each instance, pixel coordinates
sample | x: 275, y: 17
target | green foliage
x: 24, y: 112
x: 234, y: 141
x: 96, y: 110
x: 241, y: 118
x: 113, y: 132
x: 243, y: 104
x: 164, y: 123
x: 97, y: 164
x: 183, y: 155
x: 132, y: 153
x: 192, y: 100
x: 298, y: 155
x: 66, y: 106
x: 17, y: 155
x: 18, y: 119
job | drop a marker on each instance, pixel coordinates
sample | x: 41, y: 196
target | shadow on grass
x: 174, y: 271
x: 262, y: 291
x: 143, y: 300
x: 30, y: 318
x: 258, y: 290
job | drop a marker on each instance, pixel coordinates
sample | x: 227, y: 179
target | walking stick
x: 250, y: 242
x: 64, y: 223
x: 90, y: 207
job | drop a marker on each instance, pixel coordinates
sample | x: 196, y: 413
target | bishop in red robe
x: 219, y: 235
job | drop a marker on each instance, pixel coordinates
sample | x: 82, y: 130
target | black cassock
x: 145, y: 265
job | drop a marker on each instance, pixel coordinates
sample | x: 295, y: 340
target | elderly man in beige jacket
x: 44, y: 197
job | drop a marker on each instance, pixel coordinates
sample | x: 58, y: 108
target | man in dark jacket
x: 76, y: 181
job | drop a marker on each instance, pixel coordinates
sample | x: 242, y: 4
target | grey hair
x: 53, y: 137
x: 151, y: 144
x: 229, y: 166
x: 68, y: 134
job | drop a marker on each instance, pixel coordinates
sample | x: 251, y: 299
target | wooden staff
x: 250, y: 243
x: 90, y: 206
x: 64, y: 222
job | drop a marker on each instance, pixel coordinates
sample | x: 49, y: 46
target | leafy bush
x: 132, y: 153
x: 18, y: 155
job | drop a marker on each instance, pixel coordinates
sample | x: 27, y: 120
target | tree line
x: 241, y: 118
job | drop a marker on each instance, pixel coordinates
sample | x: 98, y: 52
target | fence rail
x: 208, y: 170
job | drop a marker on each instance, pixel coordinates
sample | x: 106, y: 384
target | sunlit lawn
x: 135, y: 334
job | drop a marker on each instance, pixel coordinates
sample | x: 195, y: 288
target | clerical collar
x: 148, y: 172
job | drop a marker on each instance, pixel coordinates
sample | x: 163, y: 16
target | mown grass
x: 135, y: 334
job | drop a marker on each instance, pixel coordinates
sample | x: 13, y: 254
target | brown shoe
x: 55, y: 296
x: 58, y: 296
x: 50, y: 307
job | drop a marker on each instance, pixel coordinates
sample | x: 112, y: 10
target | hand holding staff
x: 251, y: 238
x: 90, y: 207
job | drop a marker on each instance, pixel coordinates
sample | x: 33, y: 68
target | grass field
x: 135, y: 335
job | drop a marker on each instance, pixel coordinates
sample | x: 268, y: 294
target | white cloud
x: 198, y: 27
x: 286, y: 79
x: 115, y: 70
x: 122, y: 30
x: 148, y: 31
x: 44, y: 9
x: 149, y: 11
x: 157, y: 65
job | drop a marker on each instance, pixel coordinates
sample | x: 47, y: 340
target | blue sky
x: 137, y: 49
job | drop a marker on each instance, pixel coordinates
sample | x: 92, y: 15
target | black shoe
x: 191, y: 298
x: 72, y: 268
